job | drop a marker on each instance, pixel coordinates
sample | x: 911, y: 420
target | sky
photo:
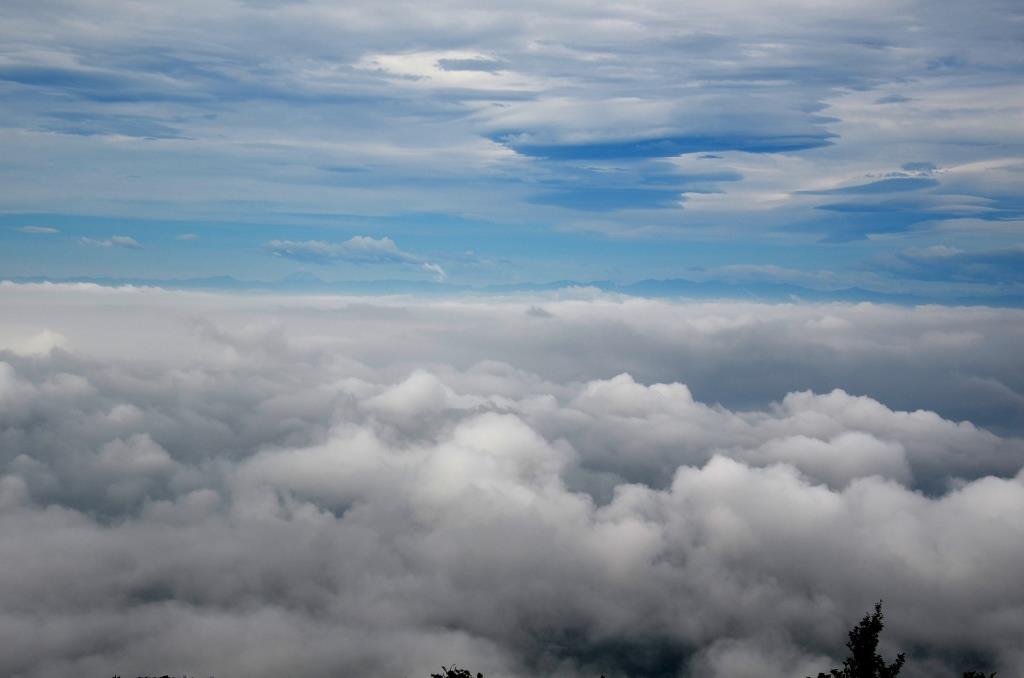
x: 558, y: 339
x: 825, y: 145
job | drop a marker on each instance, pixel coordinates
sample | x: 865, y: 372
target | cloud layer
x: 785, y: 134
x: 331, y: 486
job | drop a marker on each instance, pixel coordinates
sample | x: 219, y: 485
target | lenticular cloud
x: 260, y: 486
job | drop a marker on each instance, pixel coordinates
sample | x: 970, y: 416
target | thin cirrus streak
x: 269, y: 485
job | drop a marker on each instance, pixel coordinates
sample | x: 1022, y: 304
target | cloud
x: 925, y: 167
x: 566, y: 129
x: 359, y: 249
x: 377, y: 486
x: 186, y: 236
x: 122, y: 241
x: 32, y: 343
x: 465, y: 70
x: 512, y: 115
x: 892, y: 99
x: 97, y: 124
x: 940, y: 263
x: 437, y: 271
x: 889, y: 185
x: 475, y: 63
x: 41, y: 230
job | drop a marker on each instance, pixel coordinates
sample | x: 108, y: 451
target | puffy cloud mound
x: 326, y: 486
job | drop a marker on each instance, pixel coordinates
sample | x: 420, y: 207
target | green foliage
x: 864, y: 660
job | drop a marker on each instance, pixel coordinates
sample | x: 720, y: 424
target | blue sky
x: 872, y: 144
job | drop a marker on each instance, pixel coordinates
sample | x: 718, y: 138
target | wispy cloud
x: 437, y: 271
x: 40, y: 230
x: 359, y: 249
x: 122, y: 241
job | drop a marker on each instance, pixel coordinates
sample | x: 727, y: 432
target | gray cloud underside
x: 269, y: 486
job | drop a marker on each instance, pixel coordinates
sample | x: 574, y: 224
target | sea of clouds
x: 573, y: 484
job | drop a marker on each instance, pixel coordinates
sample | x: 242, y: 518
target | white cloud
x: 345, y: 485
x: 358, y: 249
x: 468, y: 70
x: 437, y: 271
x: 123, y: 241
x: 31, y: 343
x: 40, y: 230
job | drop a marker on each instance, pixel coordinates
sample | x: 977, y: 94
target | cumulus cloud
x: 376, y: 486
x: 123, y: 241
